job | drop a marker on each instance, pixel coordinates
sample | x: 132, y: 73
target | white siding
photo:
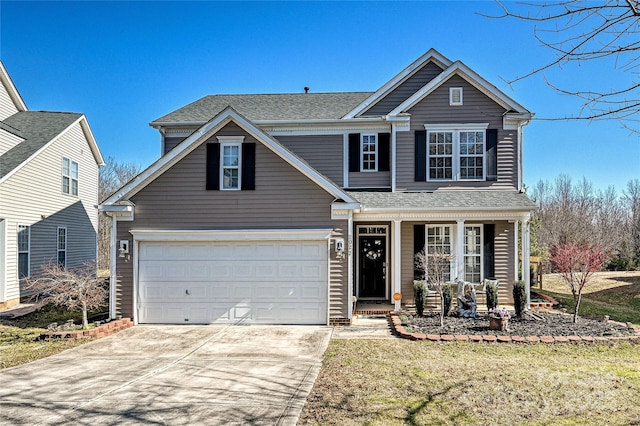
x: 7, y: 107
x: 8, y: 141
x: 33, y: 196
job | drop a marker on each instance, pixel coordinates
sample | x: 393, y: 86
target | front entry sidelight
x: 373, y: 266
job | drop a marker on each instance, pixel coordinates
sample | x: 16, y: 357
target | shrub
x: 447, y: 297
x: 418, y: 296
x: 492, y: 295
x: 519, y: 297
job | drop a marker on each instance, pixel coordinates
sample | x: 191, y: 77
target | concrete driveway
x: 195, y: 375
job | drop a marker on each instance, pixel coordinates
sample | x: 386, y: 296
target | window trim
x: 230, y: 141
x: 452, y: 91
x: 452, y: 244
x: 27, y: 251
x: 68, y: 174
x: 456, y: 129
x: 58, y: 250
x: 479, y: 255
x: 374, y: 153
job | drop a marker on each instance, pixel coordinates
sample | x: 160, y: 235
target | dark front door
x: 373, y: 266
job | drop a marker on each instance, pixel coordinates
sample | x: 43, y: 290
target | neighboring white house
x: 49, y: 165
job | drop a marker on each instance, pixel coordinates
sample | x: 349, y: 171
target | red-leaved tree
x: 576, y: 263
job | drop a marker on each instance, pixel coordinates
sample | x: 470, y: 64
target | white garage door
x: 268, y: 282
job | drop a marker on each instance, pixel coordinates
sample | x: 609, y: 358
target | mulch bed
x: 534, y: 324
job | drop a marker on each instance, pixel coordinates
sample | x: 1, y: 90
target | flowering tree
x: 435, y: 267
x: 75, y: 289
x: 576, y: 264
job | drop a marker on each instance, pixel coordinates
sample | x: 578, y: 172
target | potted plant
x: 499, y: 319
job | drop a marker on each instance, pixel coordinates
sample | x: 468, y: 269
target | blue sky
x: 125, y: 64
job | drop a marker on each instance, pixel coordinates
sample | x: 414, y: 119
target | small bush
x: 492, y: 296
x: 519, y: 297
x: 418, y: 296
x: 447, y: 295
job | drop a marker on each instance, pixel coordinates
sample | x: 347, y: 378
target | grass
x: 18, y: 344
x: 616, y: 294
x: 398, y: 382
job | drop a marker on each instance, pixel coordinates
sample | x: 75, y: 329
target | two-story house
x: 49, y: 165
x: 280, y: 208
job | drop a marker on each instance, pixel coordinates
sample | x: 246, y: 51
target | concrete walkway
x: 177, y: 375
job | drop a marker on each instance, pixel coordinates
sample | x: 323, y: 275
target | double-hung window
x: 230, y: 159
x: 473, y: 253
x: 438, y: 242
x: 69, y: 176
x: 24, y: 242
x: 62, y: 246
x: 456, y: 152
x: 369, y: 159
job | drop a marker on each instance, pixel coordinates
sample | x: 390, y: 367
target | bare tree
x: 632, y: 201
x: 76, y: 289
x: 436, y: 267
x: 580, y: 33
x: 113, y: 176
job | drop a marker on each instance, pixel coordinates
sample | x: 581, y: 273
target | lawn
x: 397, y: 382
x: 18, y: 344
x: 401, y: 382
x: 616, y: 294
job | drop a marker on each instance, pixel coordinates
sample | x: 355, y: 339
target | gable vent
x: 455, y: 96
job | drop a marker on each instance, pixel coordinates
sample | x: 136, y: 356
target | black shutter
x: 213, y: 166
x: 384, y: 145
x: 354, y: 152
x: 492, y: 154
x: 421, y: 156
x: 489, y: 250
x: 418, y: 246
x: 248, y: 166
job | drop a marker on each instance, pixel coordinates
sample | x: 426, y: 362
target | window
x: 230, y: 170
x: 439, y: 240
x: 456, y: 154
x: 24, y: 238
x: 455, y: 96
x: 69, y: 176
x: 62, y: 246
x: 473, y: 253
x: 369, y: 153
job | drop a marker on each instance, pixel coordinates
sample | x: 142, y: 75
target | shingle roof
x: 291, y: 106
x: 446, y: 200
x: 37, y: 128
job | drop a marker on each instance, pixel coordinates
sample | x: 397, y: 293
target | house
x: 48, y: 190
x: 280, y: 208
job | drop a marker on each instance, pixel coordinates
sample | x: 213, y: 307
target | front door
x: 373, y: 266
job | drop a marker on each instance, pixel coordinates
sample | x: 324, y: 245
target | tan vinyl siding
x: 33, y: 196
x: 369, y: 180
x: 406, y: 259
x: 7, y: 107
x: 404, y: 90
x: 477, y: 108
x: 283, y: 198
x: 325, y: 153
x: 8, y: 141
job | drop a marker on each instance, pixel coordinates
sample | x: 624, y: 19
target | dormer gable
x: 10, y: 100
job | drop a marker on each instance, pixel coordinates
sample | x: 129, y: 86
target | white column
x: 526, y: 251
x: 459, y: 250
x: 349, y: 250
x: 396, y: 267
x: 516, y: 251
x: 113, y: 271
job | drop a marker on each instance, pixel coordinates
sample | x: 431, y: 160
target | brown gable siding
x: 283, y: 198
x: 369, y: 180
x: 477, y: 108
x: 171, y: 142
x: 414, y: 83
x: 325, y: 153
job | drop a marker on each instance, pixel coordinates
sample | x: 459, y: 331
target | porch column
x: 526, y: 251
x: 459, y: 252
x: 396, y: 267
x: 516, y: 250
x: 351, y: 292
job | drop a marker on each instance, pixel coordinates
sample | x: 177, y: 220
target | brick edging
x: 551, y: 301
x: 399, y: 330
x: 98, y: 332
